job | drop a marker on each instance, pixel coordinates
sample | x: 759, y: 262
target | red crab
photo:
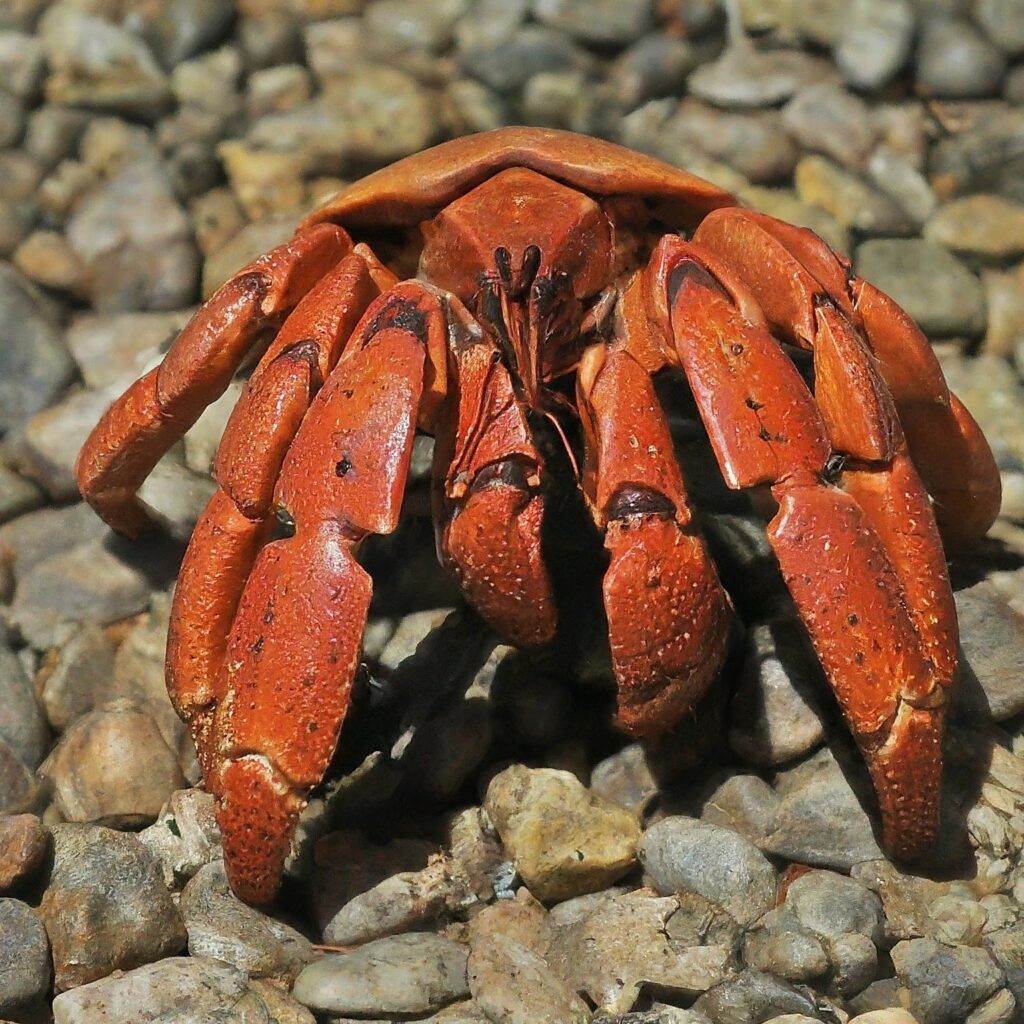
x: 467, y: 291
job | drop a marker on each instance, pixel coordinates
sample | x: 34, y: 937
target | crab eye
x: 284, y: 524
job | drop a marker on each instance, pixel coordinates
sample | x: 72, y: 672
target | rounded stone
x: 25, y: 968
x: 955, y: 61
x: 564, y: 840
x: 683, y: 855
x: 411, y: 974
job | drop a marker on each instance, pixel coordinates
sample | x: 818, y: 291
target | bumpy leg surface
x: 488, y: 505
x: 862, y: 559
x: 157, y: 409
x: 668, y: 616
x: 293, y: 648
x: 238, y: 519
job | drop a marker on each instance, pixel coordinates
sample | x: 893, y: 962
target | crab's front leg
x: 863, y: 560
x: 292, y: 650
x: 158, y: 408
x: 668, y: 616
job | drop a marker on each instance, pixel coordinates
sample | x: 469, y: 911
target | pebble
x: 777, y: 709
x: 825, y: 118
x: 1003, y: 22
x: 25, y: 966
x: 787, y: 952
x: 23, y: 845
x: 745, y: 804
x: 602, y: 22
x: 874, y: 41
x: 243, y: 247
x: 854, y: 960
x: 178, y: 990
x: 683, y: 855
x: 895, y: 174
x: 22, y: 63
x: 563, y: 840
x: 848, y: 198
x: 22, y: 725
x: 625, y: 778
x: 46, y: 258
x: 832, y: 905
x: 744, y: 76
x: 787, y: 205
x: 931, y: 284
x: 415, y: 973
x: 1004, y: 299
x: 222, y: 927
x: 992, y: 637
x: 986, y: 156
x: 985, y: 226
x: 19, y: 788
x: 754, y: 995
x: 105, y: 906
x: 135, y: 241
x: 90, y: 582
x: 506, y: 65
x: 956, y: 61
x: 94, y: 63
x: 113, y: 767
x: 820, y: 819
x: 621, y: 944
x: 35, y: 366
x: 655, y: 65
x: 945, y: 984
x: 513, y: 985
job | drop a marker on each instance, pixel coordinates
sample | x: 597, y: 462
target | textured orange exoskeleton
x: 545, y: 257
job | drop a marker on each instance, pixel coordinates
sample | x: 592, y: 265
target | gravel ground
x: 487, y: 849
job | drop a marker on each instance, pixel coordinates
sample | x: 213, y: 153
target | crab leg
x: 238, y: 518
x: 294, y: 646
x: 487, y: 496
x: 791, y: 273
x: 851, y: 568
x: 668, y: 616
x: 157, y: 409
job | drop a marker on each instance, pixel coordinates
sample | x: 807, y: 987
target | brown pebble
x: 22, y: 847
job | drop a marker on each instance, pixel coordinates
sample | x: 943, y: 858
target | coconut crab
x: 471, y: 291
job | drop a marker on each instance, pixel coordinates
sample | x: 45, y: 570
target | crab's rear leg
x: 872, y: 591
x: 157, y: 409
x: 668, y: 616
x: 488, y: 505
x: 237, y: 520
x: 788, y: 271
x: 294, y: 645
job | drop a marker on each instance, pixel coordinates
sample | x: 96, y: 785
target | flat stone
x: 819, y: 819
x: 512, y: 985
x: 506, y: 65
x: 931, y: 284
x: 624, y: 942
x: 754, y: 995
x: 22, y: 725
x: 97, y: 64
x: 945, y: 984
x: 175, y: 990
x: 24, y: 959
x: 34, y: 364
x: 222, y: 927
x: 105, y: 906
x: 986, y: 226
x: 112, y: 767
x: 606, y: 22
x: 777, y: 712
x: 563, y: 839
x: 23, y: 844
x: 683, y: 855
x: 416, y: 973
x: 992, y: 638
x: 89, y: 583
